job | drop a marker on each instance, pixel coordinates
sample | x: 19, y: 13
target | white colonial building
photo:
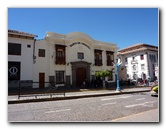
x: 72, y: 58
x: 20, y: 57
x: 141, y: 61
x: 66, y: 59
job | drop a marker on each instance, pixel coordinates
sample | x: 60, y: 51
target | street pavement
x: 131, y: 107
x: 83, y: 93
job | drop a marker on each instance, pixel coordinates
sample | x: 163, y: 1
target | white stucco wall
x: 47, y: 64
x: 148, y: 68
x: 41, y: 64
x: 32, y: 64
x: 26, y: 57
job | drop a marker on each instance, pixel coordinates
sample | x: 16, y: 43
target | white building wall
x: 148, y: 65
x: 26, y: 57
x: 41, y: 64
x: 47, y: 64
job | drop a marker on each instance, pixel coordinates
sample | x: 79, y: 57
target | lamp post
x: 117, y: 65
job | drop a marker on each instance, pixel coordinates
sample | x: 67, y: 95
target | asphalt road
x: 95, y: 109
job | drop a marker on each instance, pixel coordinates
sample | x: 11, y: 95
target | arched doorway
x: 80, y: 76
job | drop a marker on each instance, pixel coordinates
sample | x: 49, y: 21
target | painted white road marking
x: 140, y: 99
x: 50, y: 112
x: 109, y: 103
x: 140, y: 104
x: 121, y: 97
x: 58, y: 111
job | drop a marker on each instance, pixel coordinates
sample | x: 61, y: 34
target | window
x: 28, y: 46
x: 152, y: 58
x: 134, y: 67
x: 14, y: 49
x: 142, y: 67
x: 133, y: 57
x: 135, y: 76
x: 110, y: 58
x: 80, y: 55
x: 41, y: 53
x: 125, y: 59
x: 98, y: 57
x: 60, y: 54
x: 59, y: 77
x: 142, y: 57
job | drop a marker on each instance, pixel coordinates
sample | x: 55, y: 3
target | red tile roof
x: 21, y: 33
x: 137, y: 47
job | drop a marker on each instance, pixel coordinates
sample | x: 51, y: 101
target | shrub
x: 102, y: 73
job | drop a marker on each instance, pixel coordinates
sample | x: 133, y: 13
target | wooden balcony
x: 60, y: 60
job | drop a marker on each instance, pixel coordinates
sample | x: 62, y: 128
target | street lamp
x: 117, y: 65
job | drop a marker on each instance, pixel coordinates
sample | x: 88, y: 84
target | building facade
x: 20, y: 57
x: 140, y: 61
x: 62, y: 59
x: 72, y: 58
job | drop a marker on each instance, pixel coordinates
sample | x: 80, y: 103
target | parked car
x: 154, y: 91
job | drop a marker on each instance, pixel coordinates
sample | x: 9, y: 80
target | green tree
x: 102, y: 73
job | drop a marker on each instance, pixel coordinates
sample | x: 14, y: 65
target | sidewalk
x: 83, y: 93
x: 146, y: 116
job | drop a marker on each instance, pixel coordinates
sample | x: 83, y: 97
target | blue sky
x: 123, y: 26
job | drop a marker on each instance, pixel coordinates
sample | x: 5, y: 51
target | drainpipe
x: 148, y: 72
x: 34, y: 57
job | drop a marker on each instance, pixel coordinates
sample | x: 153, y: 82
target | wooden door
x: 41, y: 80
x: 80, y: 76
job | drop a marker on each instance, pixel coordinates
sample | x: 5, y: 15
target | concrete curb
x: 72, y: 97
x: 79, y: 90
